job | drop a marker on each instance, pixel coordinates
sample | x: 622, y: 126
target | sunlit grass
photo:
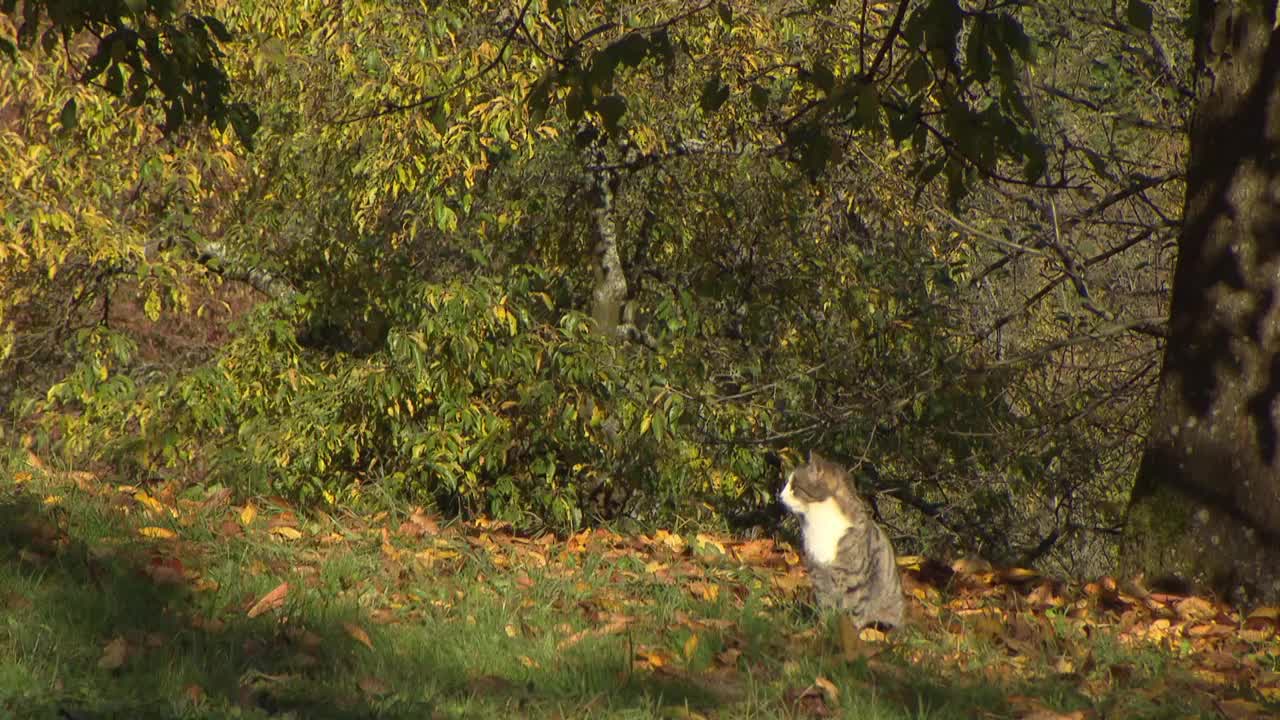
x: 468, y: 621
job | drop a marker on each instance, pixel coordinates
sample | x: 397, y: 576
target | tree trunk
x: 1206, y: 506
x: 610, y: 292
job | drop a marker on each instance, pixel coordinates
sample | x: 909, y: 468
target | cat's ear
x: 816, y: 459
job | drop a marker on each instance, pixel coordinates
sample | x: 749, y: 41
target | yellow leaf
x: 705, y: 541
x: 152, y: 531
x: 248, y: 514
x: 706, y: 591
x: 358, y: 634
x: 1265, y: 613
x: 672, y: 541
x: 52, y: 499
x: 645, y: 422
x: 114, y: 654
x: 284, y: 531
x: 148, y: 502
x: 828, y: 688
x: 690, y: 647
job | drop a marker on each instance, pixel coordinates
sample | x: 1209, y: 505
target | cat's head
x: 811, y: 484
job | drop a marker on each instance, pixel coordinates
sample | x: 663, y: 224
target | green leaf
x: 1036, y: 160
x: 714, y: 94
x: 1014, y: 36
x: 902, y: 124
x: 759, y: 97
x: 977, y: 55
x: 9, y: 49
x: 611, y: 109
x: 725, y: 11
x: 540, y: 96
x: 630, y: 50
x: 868, y: 106
x: 918, y: 76
x: 49, y: 40
x: 68, y: 115
x: 822, y: 77
x: 575, y: 102
x: 440, y: 118
x: 661, y: 48
x: 219, y: 30
x: 115, y: 81
x: 245, y: 122
x: 1139, y: 15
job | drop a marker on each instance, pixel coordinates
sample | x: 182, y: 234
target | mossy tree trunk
x: 1206, y: 506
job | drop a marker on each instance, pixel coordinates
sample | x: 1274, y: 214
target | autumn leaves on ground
x: 119, y: 601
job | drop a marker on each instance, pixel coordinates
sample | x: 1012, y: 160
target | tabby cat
x: 850, y: 559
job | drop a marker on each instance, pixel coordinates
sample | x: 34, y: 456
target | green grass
x: 482, y: 631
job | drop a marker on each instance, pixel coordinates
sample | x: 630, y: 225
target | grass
x: 389, y: 617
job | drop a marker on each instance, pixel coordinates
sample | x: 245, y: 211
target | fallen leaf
x: 690, y: 647
x: 808, y: 701
x: 248, y: 514
x: 673, y: 542
x: 114, y: 654
x: 270, y: 601
x: 616, y: 625
x: 149, y: 502
x: 358, y: 634
x: 910, y: 562
x: 705, y: 541
x: 157, y: 532
x: 419, y: 524
x: 286, y: 531
x: 828, y: 689
x: 706, y: 591
x: 680, y: 712
x: 34, y: 461
x: 1195, y: 609
x: 165, y: 570
x: 194, y: 694
x: 1265, y: 613
x: 1259, y: 635
x: 971, y: 566
x: 649, y: 659
x: 872, y: 635
x: 1242, y: 710
x: 372, y: 686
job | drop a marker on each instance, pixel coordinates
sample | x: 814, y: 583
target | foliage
x: 145, y: 47
x: 491, y: 401
x: 808, y: 256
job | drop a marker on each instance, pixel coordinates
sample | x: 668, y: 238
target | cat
x: 850, y: 559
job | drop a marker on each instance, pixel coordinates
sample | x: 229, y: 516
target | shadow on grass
x: 69, y: 600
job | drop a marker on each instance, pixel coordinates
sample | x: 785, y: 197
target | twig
x: 389, y: 107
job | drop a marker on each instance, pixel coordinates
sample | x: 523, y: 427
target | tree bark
x: 610, y: 292
x: 1206, y: 505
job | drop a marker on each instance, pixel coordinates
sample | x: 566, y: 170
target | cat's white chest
x: 824, y: 525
